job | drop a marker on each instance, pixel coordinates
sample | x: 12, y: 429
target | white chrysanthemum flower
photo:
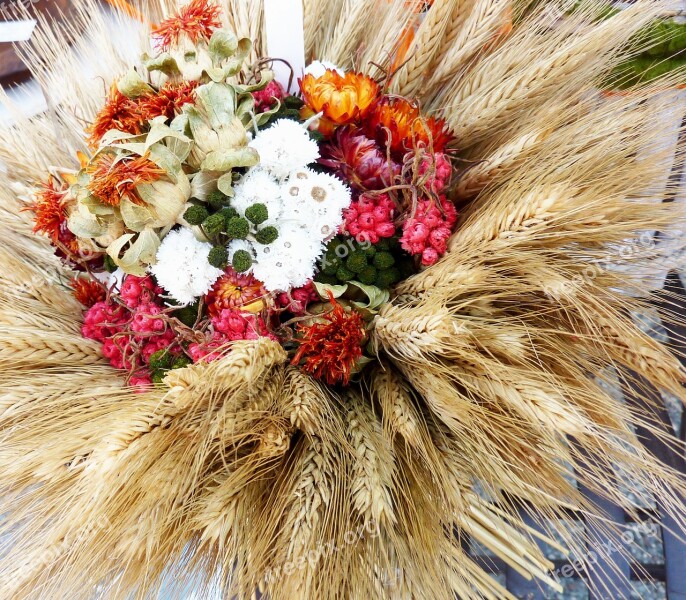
x: 285, y: 147
x: 317, y: 199
x: 317, y: 68
x: 258, y: 186
x: 288, y: 262
x: 182, y: 268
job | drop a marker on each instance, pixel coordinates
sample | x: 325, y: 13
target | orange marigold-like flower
x: 342, y: 98
x: 113, y: 180
x: 168, y: 101
x: 235, y: 291
x: 329, y: 349
x: 197, y: 19
x: 119, y: 112
x: 399, y: 123
x: 50, y: 208
x: 88, y: 291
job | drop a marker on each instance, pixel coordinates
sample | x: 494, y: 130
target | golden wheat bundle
x: 303, y: 336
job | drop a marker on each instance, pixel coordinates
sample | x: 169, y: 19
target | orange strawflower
x: 168, y: 101
x: 342, y: 98
x: 88, y: 291
x: 50, y: 208
x: 398, y: 122
x: 329, y: 349
x: 119, y: 113
x: 197, y: 19
x: 113, y: 180
x: 235, y: 291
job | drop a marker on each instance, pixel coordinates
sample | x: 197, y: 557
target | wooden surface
x: 10, y: 64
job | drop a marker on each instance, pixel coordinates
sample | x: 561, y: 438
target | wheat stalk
x: 373, y: 471
x: 427, y: 41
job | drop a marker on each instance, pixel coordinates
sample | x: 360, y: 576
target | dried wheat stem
x: 457, y: 277
x: 468, y: 31
x: 412, y: 334
x: 399, y: 416
x: 22, y: 348
x: 373, y: 467
x: 498, y: 165
x: 427, y: 41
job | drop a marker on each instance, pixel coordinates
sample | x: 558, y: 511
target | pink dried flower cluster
x: 440, y: 171
x: 298, y: 299
x: 133, y: 331
x: 370, y: 218
x: 228, y: 326
x: 427, y: 233
x: 267, y: 98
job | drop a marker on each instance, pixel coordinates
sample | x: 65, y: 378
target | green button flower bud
x: 237, y: 228
x: 218, y: 257
x: 242, y: 261
x: 267, y: 235
x: 214, y: 225
x: 257, y: 213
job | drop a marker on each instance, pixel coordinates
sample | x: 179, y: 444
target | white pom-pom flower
x: 290, y: 260
x: 258, y: 186
x: 182, y: 268
x: 317, y: 199
x: 285, y: 147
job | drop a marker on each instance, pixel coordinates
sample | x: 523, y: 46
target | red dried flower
x: 113, y: 180
x: 399, y: 123
x: 168, y: 101
x: 120, y: 113
x: 330, y: 348
x: 50, y: 208
x: 88, y: 291
x: 359, y: 160
x: 197, y: 19
x: 237, y: 292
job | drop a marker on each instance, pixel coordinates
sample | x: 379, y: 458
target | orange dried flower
x: 50, y: 208
x: 342, y: 98
x: 329, y: 349
x: 88, y: 291
x: 168, y: 101
x: 113, y: 180
x: 197, y: 19
x: 399, y: 123
x: 119, y: 112
x: 235, y: 291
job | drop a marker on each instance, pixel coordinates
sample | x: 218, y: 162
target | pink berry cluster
x: 370, y: 218
x: 266, y: 99
x: 439, y: 169
x: 131, y: 330
x: 228, y: 326
x: 297, y: 300
x: 426, y: 234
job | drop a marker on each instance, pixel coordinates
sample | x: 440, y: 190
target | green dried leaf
x: 225, y: 184
x: 323, y: 290
x: 203, y: 184
x: 223, y: 44
x: 225, y: 160
x: 139, y: 254
x: 164, y: 63
x: 133, y: 86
